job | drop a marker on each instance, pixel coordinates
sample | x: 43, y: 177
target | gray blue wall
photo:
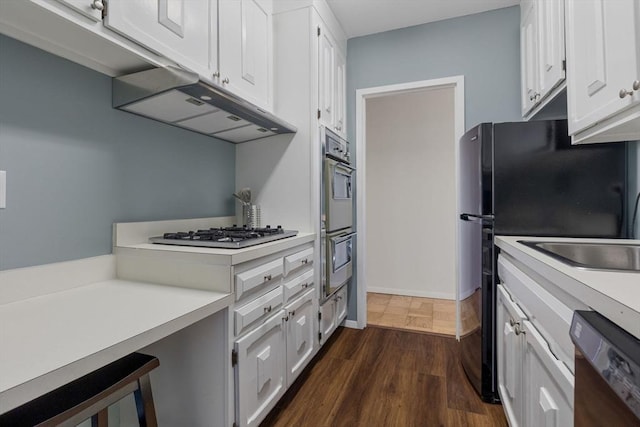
x: 75, y: 165
x: 484, y: 48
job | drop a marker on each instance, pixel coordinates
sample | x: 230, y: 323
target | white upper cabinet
x: 603, y: 60
x: 326, y: 76
x: 332, y: 82
x: 341, y: 93
x: 528, y: 52
x: 246, y: 38
x: 177, y: 29
x: 551, y: 45
x: 92, y: 9
x: 542, y: 50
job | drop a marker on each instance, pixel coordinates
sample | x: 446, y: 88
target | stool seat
x: 91, y: 395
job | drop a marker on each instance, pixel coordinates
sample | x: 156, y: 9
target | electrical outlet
x: 3, y: 189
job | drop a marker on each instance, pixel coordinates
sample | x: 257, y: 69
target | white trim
x: 352, y: 324
x: 467, y: 294
x: 413, y: 293
x: 455, y: 82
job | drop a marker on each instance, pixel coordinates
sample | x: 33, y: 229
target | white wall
x: 410, y: 194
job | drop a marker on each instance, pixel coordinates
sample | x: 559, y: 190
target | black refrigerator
x: 525, y: 178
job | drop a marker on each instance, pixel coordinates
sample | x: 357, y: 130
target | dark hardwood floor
x: 384, y: 377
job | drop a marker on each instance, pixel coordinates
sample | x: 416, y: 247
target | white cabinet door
x: 300, y: 334
x: 341, y: 305
x: 510, y: 353
x: 340, y: 94
x: 552, y: 45
x: 529, y: 54
x: 261, y: 370
x: 603, y: 59
x: 245, y: 34
x: 328, y: 321
x: 549, y: 384
x: 326, y: 76
x: 177, y: 29
x: 92, y: 9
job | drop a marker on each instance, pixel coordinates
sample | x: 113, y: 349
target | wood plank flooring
x: 384, y: 377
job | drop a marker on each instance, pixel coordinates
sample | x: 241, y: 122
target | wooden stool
x: 91, y: 395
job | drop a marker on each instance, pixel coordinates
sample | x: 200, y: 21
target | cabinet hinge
x: 319, y: 336
x: 105, y: 8
x: 318, y: 31
x: 318, y: 113
x: 235, y: 425
x: 564, y: 65
x: 234, y: 358
x: 319, y: 315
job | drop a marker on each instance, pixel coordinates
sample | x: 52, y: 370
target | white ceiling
x: 362, y: 17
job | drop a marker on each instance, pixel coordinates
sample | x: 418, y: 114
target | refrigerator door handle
x: 483, y: 219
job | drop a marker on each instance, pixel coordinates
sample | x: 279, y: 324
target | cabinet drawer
x: 298, y: 284
x: 550, y: 316
x: 258, y: 308
x: 298, y: 260
x: 254, y: 278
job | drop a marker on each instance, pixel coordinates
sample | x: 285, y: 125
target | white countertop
x: 52, y: 339
x: 220, y: 255
x: 614, y: 294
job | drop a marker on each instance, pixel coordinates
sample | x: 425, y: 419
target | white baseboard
x: 412, y: 293
x: 351, y: 324
x: 467, y: 293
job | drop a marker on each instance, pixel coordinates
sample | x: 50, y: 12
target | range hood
x: 178, y: 97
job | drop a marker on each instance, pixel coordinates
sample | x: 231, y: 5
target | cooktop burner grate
x: 224, y: 237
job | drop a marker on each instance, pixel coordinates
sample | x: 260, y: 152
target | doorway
x: 407, y: 150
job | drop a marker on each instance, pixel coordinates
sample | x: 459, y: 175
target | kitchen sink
x: 599, y: 256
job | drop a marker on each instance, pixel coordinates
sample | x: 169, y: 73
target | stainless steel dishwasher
x: 607, y: 372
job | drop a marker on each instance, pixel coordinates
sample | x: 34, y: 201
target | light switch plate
x: 3, y: 189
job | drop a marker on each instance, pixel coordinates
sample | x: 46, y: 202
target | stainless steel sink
x: 600, y: 256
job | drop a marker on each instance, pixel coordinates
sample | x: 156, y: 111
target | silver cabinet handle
x: 636, y: 85
x: 225, y: 81
x: 517, y: 329
x: 512, y: 322
x: 216, y: 74
x: 292, y: 313
x: 623, y: 93
x: 305, y: 285
x: 267, y: 277
x: 97, y: 5
x: 305, y: 261
x: 268, y: 309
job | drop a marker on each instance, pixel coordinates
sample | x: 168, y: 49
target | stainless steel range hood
x: 178, y: 97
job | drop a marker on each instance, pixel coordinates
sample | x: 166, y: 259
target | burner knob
x: 279, y: 227
x: 268, y: 226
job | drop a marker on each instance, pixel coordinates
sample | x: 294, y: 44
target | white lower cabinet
x: 260, y: 370
x: 534, y: 382
x: 510, y: 352
x: 332, y: 312
x: 275, y: 330
x: 300, y: 316
x: 548, y: 384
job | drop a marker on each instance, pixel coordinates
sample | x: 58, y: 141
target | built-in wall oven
x: 337, y: 232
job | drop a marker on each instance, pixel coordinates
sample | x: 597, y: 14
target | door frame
x: 362, y: 95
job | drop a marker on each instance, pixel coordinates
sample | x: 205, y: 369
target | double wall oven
x: 337, y: 232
